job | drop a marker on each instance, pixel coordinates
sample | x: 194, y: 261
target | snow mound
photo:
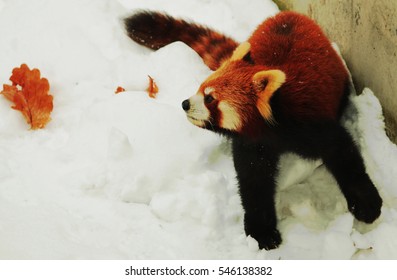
x: 128, y: 177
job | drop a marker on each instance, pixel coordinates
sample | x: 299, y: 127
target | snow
x: 128, y: 177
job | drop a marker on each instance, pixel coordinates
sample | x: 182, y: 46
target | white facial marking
x: 198, y: 113
x: 230, y: 118
x: 208, y: 90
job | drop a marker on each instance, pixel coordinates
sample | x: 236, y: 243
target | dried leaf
x: 152, y: 88
x: 119, y: 89
x: 29, y: 93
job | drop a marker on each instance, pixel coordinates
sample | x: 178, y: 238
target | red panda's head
x: 236, y: 96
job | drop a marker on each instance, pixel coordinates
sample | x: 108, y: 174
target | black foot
x: 365, y: 203
x: 268, y: 238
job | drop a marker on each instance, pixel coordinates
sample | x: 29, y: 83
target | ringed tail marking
x: 155, y: 30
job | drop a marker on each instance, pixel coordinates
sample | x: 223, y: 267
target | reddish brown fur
x: 316, y: 76
x: 233, y: 84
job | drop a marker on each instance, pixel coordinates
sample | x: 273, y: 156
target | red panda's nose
x: 186, y: 105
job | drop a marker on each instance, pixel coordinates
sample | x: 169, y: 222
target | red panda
x: 281, y: 91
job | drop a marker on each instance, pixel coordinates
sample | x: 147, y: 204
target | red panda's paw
x: 268, y: 238
x: 271, y: 239
x: 365, y: 204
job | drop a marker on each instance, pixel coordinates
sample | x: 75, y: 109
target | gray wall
x: 366, y: 32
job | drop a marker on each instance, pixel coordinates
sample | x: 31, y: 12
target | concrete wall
x: 366, y: 32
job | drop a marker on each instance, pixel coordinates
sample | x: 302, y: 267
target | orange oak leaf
x: 152, y: 88
x: 119, y: 89
x: 29, y: 93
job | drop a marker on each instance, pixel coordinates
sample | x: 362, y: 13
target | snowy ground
x: 128, y: 177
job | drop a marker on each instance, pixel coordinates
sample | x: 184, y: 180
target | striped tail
x: 155, y: 30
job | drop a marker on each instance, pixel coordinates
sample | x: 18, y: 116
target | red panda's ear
x: 241, y: 51
x: 266, y: 83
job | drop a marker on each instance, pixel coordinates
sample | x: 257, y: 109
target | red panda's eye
x: 208, y: 99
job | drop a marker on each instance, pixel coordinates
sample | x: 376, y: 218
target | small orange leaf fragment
x: 30, y: 96
x: 152, y: 88
x: 119, y: 89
